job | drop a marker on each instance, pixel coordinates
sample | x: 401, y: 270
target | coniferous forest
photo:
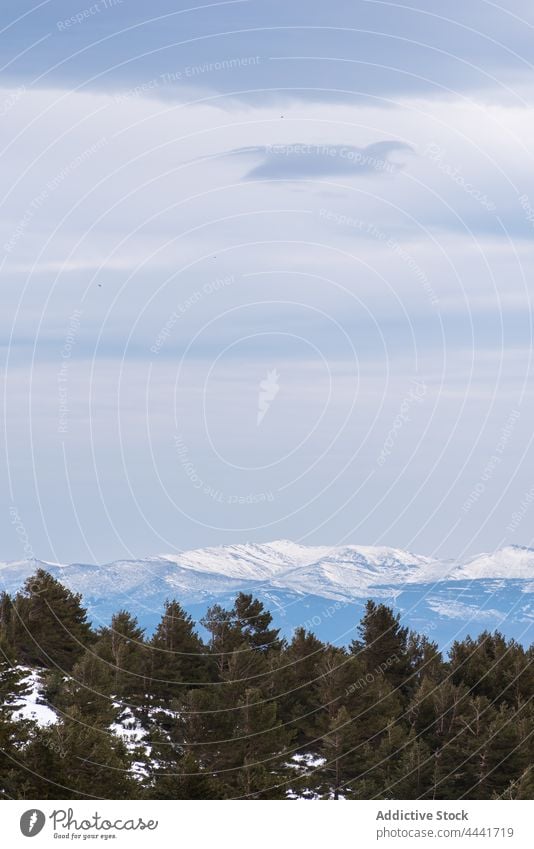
x: 247, y: 714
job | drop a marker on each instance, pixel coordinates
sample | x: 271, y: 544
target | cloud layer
x: 193, y: 200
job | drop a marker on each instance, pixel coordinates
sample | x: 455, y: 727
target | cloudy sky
x: 266, y: 273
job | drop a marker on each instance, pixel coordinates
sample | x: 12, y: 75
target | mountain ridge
x: 299, y: 582
x: 282, y: 560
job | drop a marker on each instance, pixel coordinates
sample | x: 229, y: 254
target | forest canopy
x: 248, y: 714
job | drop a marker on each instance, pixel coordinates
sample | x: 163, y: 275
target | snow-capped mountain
x: 321, y: 587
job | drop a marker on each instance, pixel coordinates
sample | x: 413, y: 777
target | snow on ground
x: 128, y: 728
x: 465, y: 612
x: 133, y: 735
x: 307, y: 760
x: 32, y: 703
x: 303, y: 763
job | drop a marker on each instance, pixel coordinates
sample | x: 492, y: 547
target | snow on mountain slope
x: 299, y: 584
x: 513, y: 561
x: 331, y: 572
x: 126, y: 578
x: 351, y: 571
x: 249, y: 561
x: 343, y: 573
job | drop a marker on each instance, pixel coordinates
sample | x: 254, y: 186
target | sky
x: 266, y: 273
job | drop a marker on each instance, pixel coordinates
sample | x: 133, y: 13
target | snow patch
x: 33, y: 706
x: 459, y: 610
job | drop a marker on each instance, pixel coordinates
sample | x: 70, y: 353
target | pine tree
x: 259, y: 749
x: 74, y: 759
x: 14, y: 732
x: 364, y: 711
x: 226, y: 724
x: 224, y: 637
x: 296, y: 683
x: 90, y: 688
x: 460, y: 757
x: 523, y: 788
x: 178, y: 659
x: 208, y: 728
x: 122, y: 647
x: 425, y: 659
x: 339, y: 736
x: 253, y: 622
x: 247, y: 622
x: 414, y: 771
x: 493, y: 667
x: 181, y: 777
x: 501, y: 757
x: 14, y: 687
x: 7, y: 648
x: 335, y: 744
x: 49, y: 624
x: 383, y: 647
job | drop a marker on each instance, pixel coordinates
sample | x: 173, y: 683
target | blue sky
x: 323, y: 212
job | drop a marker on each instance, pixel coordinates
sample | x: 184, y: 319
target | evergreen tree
x: 258, y: 749
x: 296, y: 684
x: 338, y: 738
x: 181, y: 777
x: 523, y: 788
x: 493, y: 667
x: 208, y: 729
x: 74, y: 759
x: 414, y: 773
x: 49, y: 624
x: 123, y: 649
x: 362, y: 709
x: 247, y: 622
x: 7, y: 648
x: 460, y: 756
x: 253, y: 622
x: 383, y: 647
x: 90, y: 688
x: 502, y: 759
x: 14, y: 732
x: 178, y: 659
x: 14, y: 687
x: 224, y: 637
x: 254, y: 717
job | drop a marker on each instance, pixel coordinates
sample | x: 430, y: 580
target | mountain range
x: 323, y: 588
